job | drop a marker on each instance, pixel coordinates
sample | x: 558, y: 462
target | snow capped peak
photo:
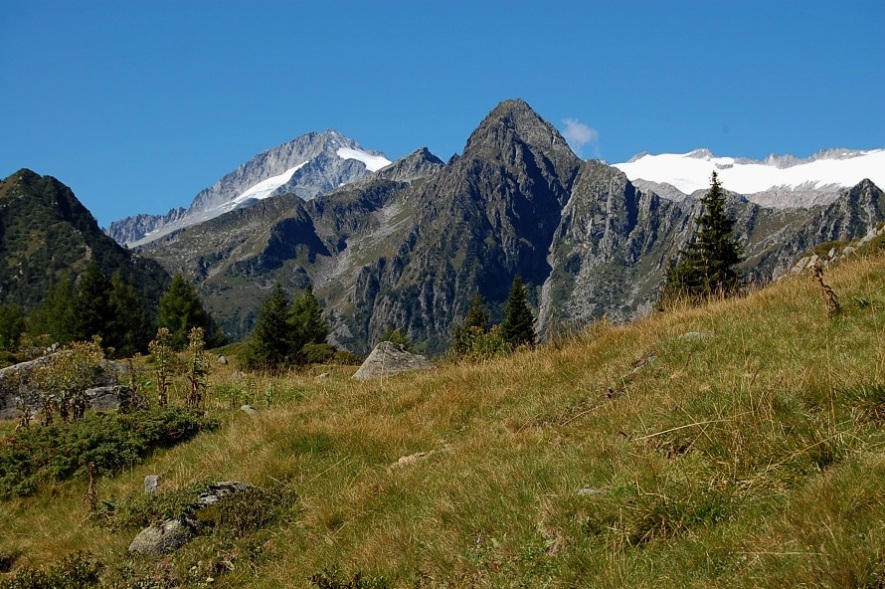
x: 824, y: 170
x: 372, y: 162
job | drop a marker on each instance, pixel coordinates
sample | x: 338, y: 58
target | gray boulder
x: 17, y: 389
x: 164, y: 537
x: 389, y: 359
x: 170, y: 535
x: 151, y: 483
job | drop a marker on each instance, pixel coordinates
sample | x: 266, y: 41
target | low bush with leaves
x: 112, y: 442
x: 235, y: 516
x: 77, y: 571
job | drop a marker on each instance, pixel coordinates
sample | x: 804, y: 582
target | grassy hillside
x: 736, y: 445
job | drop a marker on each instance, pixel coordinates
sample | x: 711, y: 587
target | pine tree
x: 180, y: 310
x: 477, y: 315
x: 476, y: 324
x: 307, y: 320
x: 518, y: 326
x: 708, y: 265
x: 273, y: 339
x: 55, y: 317
x: 127, y: 331
x: 91, y: 307
x: 12, y: 325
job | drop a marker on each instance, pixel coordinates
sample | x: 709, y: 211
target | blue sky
x: 139, y: 105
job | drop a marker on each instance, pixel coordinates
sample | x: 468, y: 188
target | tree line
x: 111, y: 309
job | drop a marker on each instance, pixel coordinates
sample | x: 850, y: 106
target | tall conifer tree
x: 518, y: 326
x: 708, y: 266
x: 180, y: 310
x: 273, y: 337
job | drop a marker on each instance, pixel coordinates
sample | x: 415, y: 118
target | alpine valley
x: 407, y: 244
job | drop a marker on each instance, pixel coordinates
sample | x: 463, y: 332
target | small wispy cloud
x: 578, y: 135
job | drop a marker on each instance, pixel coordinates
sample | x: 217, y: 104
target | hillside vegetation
x: 739, y: 444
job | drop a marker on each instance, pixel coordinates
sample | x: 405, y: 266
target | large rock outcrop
x: 390, y: 359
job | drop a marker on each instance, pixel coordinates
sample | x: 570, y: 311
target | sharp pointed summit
x: 307, y: 166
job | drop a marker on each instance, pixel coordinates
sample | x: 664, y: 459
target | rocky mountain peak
x: 307, y: 166
x: 418, y: 164
x: 513, y: 122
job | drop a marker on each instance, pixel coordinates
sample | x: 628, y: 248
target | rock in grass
x: 217, y: 491
x: 163, y: 538
x: 389, y: 359
x: 173, y: 533
x: 249, y: 409
x: 151, y: 483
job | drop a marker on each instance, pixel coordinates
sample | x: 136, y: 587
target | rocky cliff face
x: 308, y: 166
x: 408, y: 246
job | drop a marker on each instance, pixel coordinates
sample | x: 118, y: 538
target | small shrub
x: 345, y: 358
x: 317, y: 353
x: 74, y: 572
x: 232, y: 517
x: 143, y: 510
x: 112, y: 442
x: 245, y: 512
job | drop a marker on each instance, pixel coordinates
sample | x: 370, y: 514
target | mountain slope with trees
x: 47, y: 236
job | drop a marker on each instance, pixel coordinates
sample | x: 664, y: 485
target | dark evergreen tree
x: 476, y: 324
x: 127, y: 332
x: 477, y: 315
x: 307, y: 320
x: 12, y: 325
x: 91, y: 307
x: 517, y: 328
x: 708, y: 265
x: 273, y: 340
x: 55, y: 317
x: 180, y: 310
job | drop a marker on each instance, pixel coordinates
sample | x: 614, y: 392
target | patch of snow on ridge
x: 265, y: 188
x: 690, y: 172
x: 373, y: 162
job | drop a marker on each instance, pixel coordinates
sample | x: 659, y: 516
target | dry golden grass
x: 746, y: 453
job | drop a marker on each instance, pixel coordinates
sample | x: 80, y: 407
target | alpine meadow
x: 512, y: 368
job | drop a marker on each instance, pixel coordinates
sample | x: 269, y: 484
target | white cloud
x: 578, y: 135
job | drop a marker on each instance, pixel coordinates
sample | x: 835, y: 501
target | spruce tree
x: 127, y: 331
x: 12, y: 325
x: 91, y: 307
x: 180, y: 310
x: 307, y: 320
x: 518, y: 325
x: 708, y: 264
x: 273, y: 339
x: 55, y: 317
x: 476, y: 324
x: 477, y: 315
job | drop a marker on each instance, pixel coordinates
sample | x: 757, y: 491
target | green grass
x: 749, y: 456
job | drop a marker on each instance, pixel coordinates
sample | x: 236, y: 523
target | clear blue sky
x: 139, y: 105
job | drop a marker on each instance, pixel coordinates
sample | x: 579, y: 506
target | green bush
x: 317, y: 353
x: 110, y: 441
x: 74, y: 572
x: 345, y: 358
x: 235, y: 516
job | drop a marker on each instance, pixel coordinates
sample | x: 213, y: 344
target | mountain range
x: 307, y: 166
x: 781, y: 182
x: 408, y: 244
